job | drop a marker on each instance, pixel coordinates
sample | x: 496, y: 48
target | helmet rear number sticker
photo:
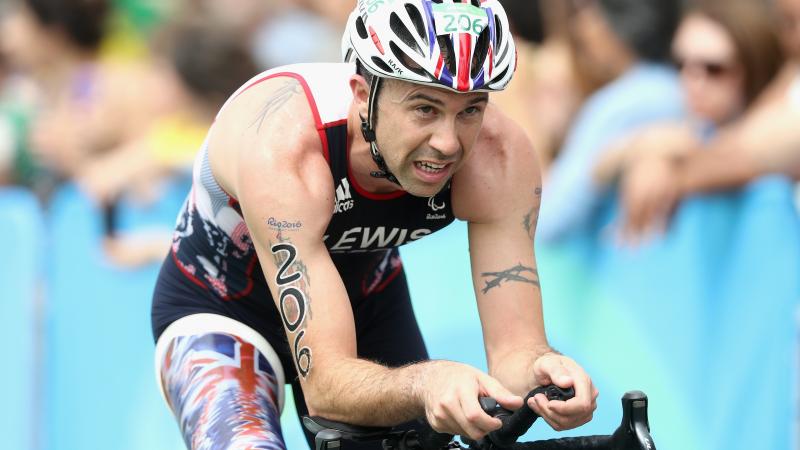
x: 374, y: 5
x: 459, y: 18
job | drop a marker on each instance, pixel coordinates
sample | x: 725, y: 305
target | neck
x: 360, y: 158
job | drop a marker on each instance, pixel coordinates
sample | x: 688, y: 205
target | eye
x: 425, y: 110
x: 472, y: 111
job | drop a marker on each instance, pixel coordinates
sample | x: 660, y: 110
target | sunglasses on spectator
x: 712, y: 69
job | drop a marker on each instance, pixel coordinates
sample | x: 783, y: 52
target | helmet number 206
x: 459, y: 18
x: 463, y: 24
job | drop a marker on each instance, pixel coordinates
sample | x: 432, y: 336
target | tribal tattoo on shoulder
x: 293, y: 299
x: 530, y: 219
x: 277, y: 100
x: 517, y: 273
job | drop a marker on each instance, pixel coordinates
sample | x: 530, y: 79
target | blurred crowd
x: 639, y: 99
x: 644, y: 103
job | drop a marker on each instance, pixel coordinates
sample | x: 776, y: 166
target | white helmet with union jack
x: 462, y: 45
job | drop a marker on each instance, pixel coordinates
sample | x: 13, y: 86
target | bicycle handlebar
x: 518, y: 422
x: 632, y: 434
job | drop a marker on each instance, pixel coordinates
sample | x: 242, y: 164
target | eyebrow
x: 435, y: 101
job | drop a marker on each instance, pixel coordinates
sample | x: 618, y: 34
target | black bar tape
x: 574, y: 443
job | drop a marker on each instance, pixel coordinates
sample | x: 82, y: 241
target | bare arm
x: 500, y: 193
x: 765, y: 141
x: 281, y: 176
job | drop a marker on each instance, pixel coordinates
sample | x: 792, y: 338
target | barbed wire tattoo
x: 513, y: 274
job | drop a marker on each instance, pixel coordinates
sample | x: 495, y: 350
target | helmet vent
x: 406, y: 61
x: 416, y: 19
x: 502, y: 74
x: 476, y: 3
x: 382, y: 65
x: 448, y: 54
x: 400, y: 30
x: 361, y: 29
x: 481, y: 50
x: 498, y: 26
x: 504, y: 53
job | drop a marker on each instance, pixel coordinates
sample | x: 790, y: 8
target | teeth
x: 430, y: 167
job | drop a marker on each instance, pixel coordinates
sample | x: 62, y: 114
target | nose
x: 445, y: 139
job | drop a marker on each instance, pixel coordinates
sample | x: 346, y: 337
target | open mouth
x: 429, y: 167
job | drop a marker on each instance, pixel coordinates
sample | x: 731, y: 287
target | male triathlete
x: 284, y: 264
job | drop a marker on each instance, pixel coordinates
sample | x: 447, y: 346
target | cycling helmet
x: 462, y: 45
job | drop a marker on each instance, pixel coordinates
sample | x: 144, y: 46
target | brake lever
x: 634, y: 431
x: 516, y: 423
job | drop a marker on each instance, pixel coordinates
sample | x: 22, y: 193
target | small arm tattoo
x: 516, y: 273
x: 277, y: 100
x: 530, y: 219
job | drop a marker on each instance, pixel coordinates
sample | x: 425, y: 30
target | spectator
x: 627, y: 42
x: 86, y: 105
x: 669, y: 168
x: 201, y: 63
x: 17, y: 98
x: 545, y: 92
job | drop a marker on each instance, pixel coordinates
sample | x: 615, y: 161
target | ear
x: 360, y: 89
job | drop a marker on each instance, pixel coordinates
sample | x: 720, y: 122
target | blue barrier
x: 701, y: 319
x: 100, y: 386
x: 21, y: 234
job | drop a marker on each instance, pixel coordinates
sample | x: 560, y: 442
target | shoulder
x: 503, y: 164
x: 265, y: 145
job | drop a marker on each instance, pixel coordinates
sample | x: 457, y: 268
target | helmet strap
x: 368, y: 130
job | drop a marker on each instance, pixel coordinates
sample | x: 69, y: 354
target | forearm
x: 366, y: 393
x: 714, y: 170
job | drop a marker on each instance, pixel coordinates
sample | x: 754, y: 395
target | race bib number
x: 459, y: 18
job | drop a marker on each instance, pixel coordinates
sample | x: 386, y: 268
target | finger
x: 631, y: 214
x: 559, y: 421
x: 652, y: 215
x: 539, y: 404
x: 493, y: 388
x: 477, y: 422
x: 550, y: 369
x: 581, y: 403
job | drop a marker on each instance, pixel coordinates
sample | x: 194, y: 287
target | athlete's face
x: 426, y: 133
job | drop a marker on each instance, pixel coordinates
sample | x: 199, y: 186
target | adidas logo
x: 344, y: 200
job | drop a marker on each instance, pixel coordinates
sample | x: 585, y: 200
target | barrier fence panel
x: 101, y: 390
x: 21, y: 234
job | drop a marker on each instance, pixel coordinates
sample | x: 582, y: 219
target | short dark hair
x: 83, y: 21
x: 368, y: 76
x: 646, y: 26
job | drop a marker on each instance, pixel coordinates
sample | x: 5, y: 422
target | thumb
x: 551, y: 370
x: 497, y: 391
